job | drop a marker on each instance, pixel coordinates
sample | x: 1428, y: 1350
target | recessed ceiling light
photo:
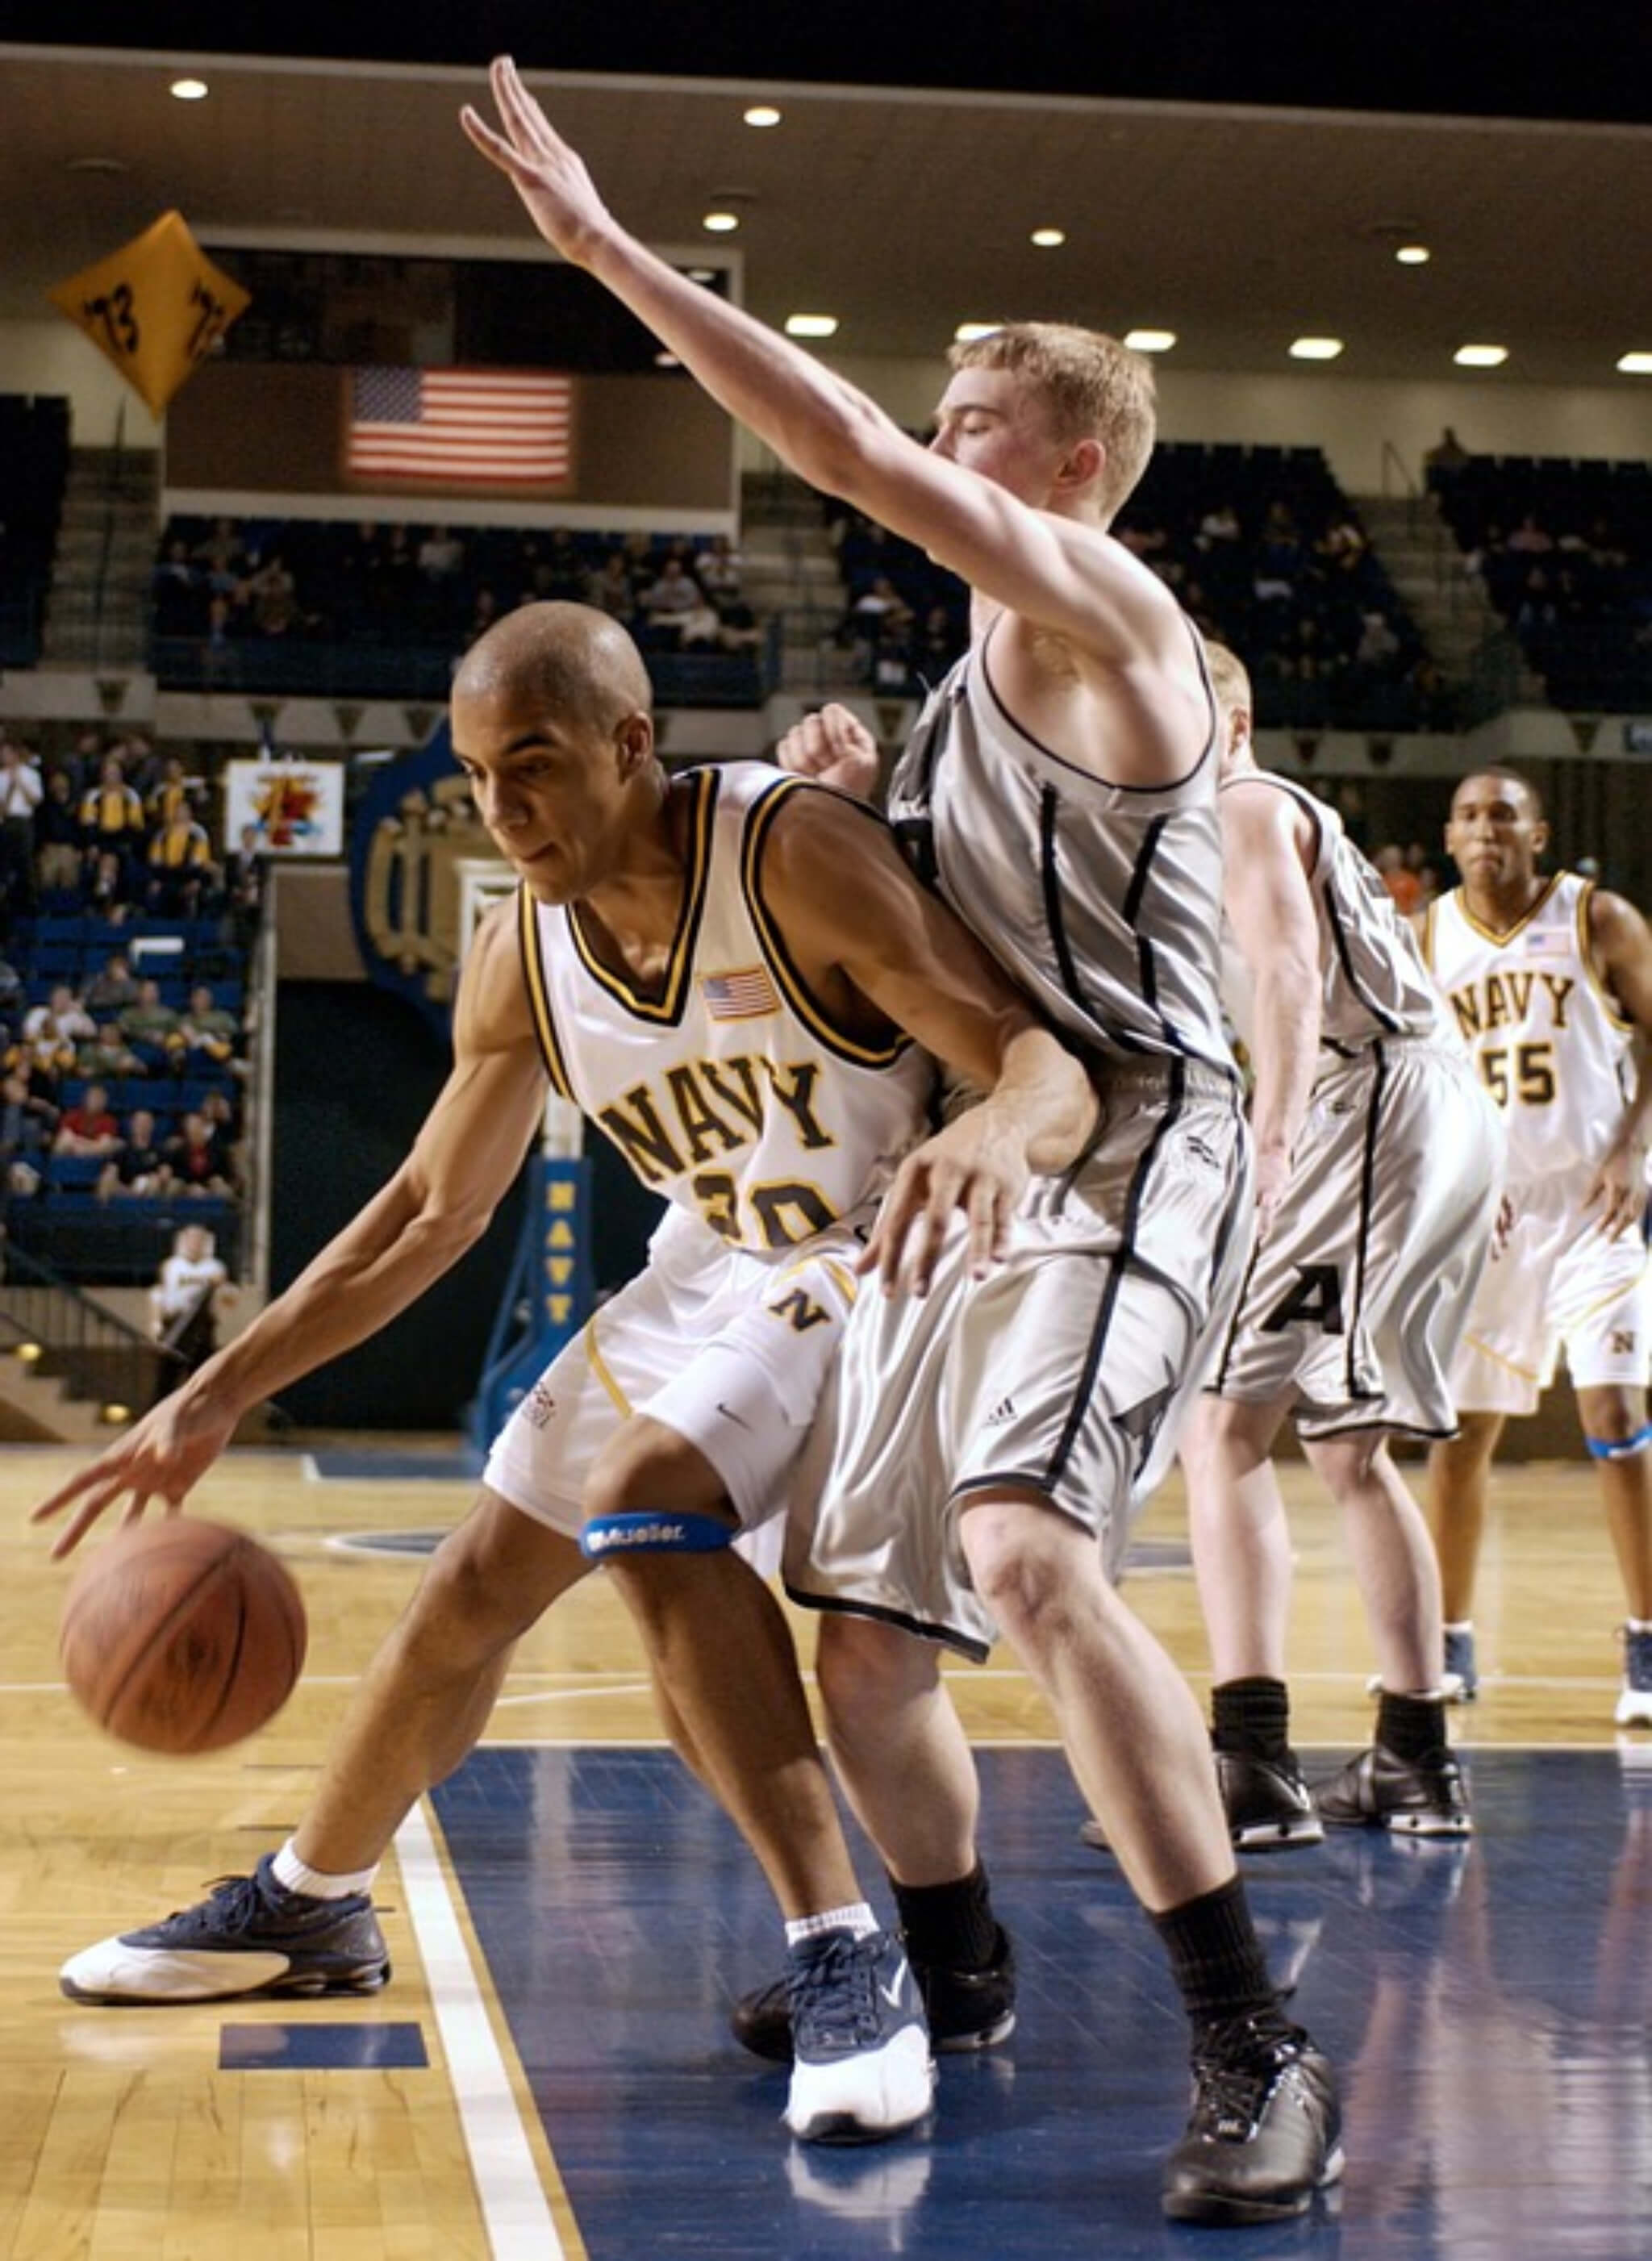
x: 99, y: 166
x: 1635, y: 365
x: 1049, y: 239
x: 721, y: 223
x: 1481, y: 357
x: 190, y: 90
x: 1413, y: 255
x: 763, y: 113
x: 1315, y: 349
x: 664, y: 360
x: 966, y: 332
x: 1149, y: 340
x: 811, y: 326
x: 702, y: 274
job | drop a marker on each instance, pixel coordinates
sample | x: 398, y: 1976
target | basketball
x: 180, y: 1635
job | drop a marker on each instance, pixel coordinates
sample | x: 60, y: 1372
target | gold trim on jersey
x: 1586, y: 951
x: 1425, y: 940
x: 538, y: 996
x: 1490, y: 933
x: 759, y: 816
x: 668, y: 1008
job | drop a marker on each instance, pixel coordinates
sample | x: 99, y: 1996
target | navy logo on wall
x: 419, y: 856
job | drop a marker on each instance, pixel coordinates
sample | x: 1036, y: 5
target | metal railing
x: 102, y: 1357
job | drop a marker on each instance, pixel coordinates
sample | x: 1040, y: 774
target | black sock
x: 1216, y: 1956
x: 1412, y: 1726
x: 948, y: 1927
x: 1252, y: 1715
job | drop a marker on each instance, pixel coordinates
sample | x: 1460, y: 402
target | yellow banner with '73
x: 157, y: 308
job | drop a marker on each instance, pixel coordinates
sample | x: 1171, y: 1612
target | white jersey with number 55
x: 1546, y: 1032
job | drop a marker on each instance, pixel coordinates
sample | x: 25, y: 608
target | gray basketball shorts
x: 1357, y: 1299
x: 732, y: 1352
x: 1063, y: 1373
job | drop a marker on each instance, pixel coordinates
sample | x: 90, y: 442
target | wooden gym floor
x: 549, y: 2075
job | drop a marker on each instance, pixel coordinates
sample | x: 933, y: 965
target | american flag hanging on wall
x: 459, y: 427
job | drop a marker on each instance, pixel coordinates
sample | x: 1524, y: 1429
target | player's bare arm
x: 891, y: 951
x: 1270, y: 908
x: 1620, y: 944
x: 415, y: 1228
x: 1087, y: 613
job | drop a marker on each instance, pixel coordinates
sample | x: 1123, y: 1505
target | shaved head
x: 570, y: 660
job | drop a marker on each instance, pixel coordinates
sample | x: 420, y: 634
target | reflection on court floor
x: 1488, y: 2004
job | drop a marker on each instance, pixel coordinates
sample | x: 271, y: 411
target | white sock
x: 1461, y: 1625
x: 1640, y: 1625
x: 858, y: 1918
x: 296, y: 1875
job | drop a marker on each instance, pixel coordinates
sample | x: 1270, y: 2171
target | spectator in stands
x: 1446, y: 457
x: 273, y: 595
x: 59, y: 851
x: 11, y: 992
x: 139, y: 1170
x: 440, y: 555
x: 877, y: 614
x: 111, y: 819
x: 1530, y: 539
x: 1378, y: 647
x: 151, y: 1028
x: 105, y: 895
x: 1398, y: 877
x: 244, y: 879
x: 114, y: 989
x: 179, y: 590
x: 55, y: 1031
x: 609, y: 588
x: 566, y: 573
x: 717, y: 568
x: 217, y: 1108
x: 21, y: 793
x: 484, y: 610
x: 27, y: 1123
x: 180, y: 868
x: 675, y: 592
x: 210, y: 1033
x: 169, y: 796
x: 107, y: 1056
x: 197, y: 1159
x: 90, y: 1128
x: 1219, y: 528
x: 184, y: 1303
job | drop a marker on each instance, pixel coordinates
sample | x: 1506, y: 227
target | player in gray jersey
x: 1377, y: 1155
x: 995, y: 1431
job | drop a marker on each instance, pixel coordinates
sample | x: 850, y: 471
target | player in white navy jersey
x: 682, y: 956
x: 995, y: 1430
x: 1550, y: 979
x: 1377, y: 1162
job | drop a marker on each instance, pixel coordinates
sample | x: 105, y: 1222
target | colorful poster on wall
x: 295, y: 808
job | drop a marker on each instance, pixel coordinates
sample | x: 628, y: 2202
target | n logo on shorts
x: 802, y: 1311
x: 1315, y: 1300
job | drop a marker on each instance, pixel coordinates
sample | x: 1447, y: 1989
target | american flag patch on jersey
x: 745, y: 994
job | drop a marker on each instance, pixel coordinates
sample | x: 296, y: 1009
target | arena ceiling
x: 904, y: 210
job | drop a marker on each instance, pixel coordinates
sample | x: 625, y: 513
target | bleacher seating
x: 33, y: 469
x: 332, y: 609
x: 1293, y: 585
x: 121, y: 1242
x: 1563, y: 546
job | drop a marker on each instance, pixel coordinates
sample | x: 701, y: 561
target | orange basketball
x: 180, y: 1635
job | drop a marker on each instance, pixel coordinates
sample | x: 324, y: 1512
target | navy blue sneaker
x: 861, y: 2068
x: 249, y: 1935
x: 966, y: 2009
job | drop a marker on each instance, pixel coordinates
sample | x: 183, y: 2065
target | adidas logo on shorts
x: 1002, y: 1411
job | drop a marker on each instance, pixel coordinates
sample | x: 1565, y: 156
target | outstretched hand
x: 549, y: 177
x: 163, y: 1457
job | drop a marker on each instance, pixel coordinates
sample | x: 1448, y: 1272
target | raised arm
x: 414, y: 1229
x: 898, y: 948
x: 1621, y: 947
x: 1058, y: 575
x: 1270, y: 908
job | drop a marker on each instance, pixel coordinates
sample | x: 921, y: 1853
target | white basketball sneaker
x: 861, y: 2068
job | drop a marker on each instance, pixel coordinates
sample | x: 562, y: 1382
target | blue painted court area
x: 1490, y: 2008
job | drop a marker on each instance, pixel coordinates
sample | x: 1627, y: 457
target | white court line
x: 515, y: 2208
